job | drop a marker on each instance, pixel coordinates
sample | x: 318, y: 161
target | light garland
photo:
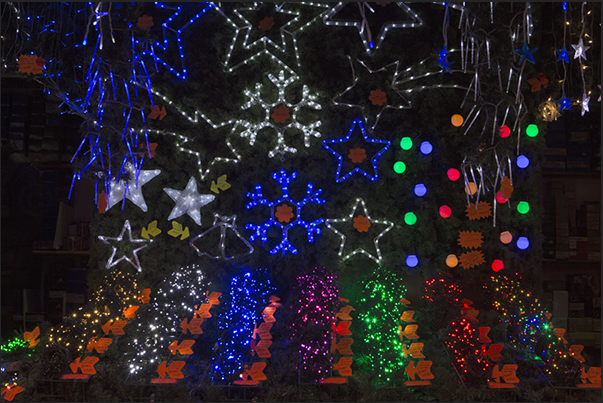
x: 224, y: 223
x: 134, y: 262
x: 363, y: 27
x: 188, y: 201
x: 255, y: 98
x: 331, y: 145
x: 329, y: 223
x: 281, y: 208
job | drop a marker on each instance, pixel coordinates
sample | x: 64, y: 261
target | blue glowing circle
x: 420, y: 189
x: 426, y: 147
x: 523, y: 242
x: 523, y: 161
x: 412, y: 260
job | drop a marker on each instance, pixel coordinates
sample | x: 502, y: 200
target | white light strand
x: 135, y: 262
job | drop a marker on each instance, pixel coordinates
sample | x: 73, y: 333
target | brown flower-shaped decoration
x: 378, y: 97
x: 362, y: 223
x: 266, y: 23
x: 284, y: 213
x: 280, y: 114
x: 357, y: 155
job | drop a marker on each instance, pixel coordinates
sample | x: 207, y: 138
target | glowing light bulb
x: 410, y: 218
x: 426, y: 147
x: 399, y: 167
x: 523, y: 243
x: 420, y: 190
x: 453, y: 174
x: 412, y: 260
x: 452, y: 261
x: 522, y: 161
x: 532, y: 130
x: 445, y: 211
x: 406, y: 143
x: 523, y: 207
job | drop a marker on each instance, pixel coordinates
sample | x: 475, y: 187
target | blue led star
x: 281, y: 211
x: 171, y: 37
x: 354, y: 141
x: 563, y: 54
x: 564, y: 103
x: 526, y: 53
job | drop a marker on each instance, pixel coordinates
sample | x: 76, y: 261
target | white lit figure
x: 135, y: 262
x: 188, y: 201
x: 130, y: 186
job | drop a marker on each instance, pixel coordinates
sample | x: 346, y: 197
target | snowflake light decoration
x: 278, y: 111
x: 282, y: 214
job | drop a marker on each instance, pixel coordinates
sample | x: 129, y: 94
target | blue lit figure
x: 526, y: 53
x: 564, y: 103
x: 426, y: 147
x: 563, y: 53
x: 341, y: 147
x: 158, y: 48
x: 281, y: 211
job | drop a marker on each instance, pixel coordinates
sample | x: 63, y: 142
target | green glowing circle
x: 406, y: 143
x: 399, y: 167
x: 523, y: 207
x: 532, y: 130
x: 410, y: 218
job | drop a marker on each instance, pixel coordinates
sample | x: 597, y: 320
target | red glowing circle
x: 498, y: 265
x: 445, y: 211
x: 500, y: 198
x: 505, y: 131
x: 453, y: 174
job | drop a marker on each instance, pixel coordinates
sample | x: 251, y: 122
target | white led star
x: 584, y: 104
x: 188, y: 201
x: 348, y: 219
x: 130, y: 186
x: 580, y: 49
x: 135, y: 262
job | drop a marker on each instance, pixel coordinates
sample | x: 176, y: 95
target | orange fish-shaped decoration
x: 344, y: 312
x: 255, y: 373
x: 268, y: 314
x: 213, y: 297
x: 183, y: 348
x: 32, y: 337
x: 410, y: 332
x: 342, y: 328
x: 493, y: 351
x: 194, y: 326
x: 413, y: 351
x: 507, y: 373
x: 174, y: 370
x: 344, y: 366
x: 407, y: 316
x: 274, y: 301
x: 86, y: 365
x: 593, y: 376
x: 471, y: 315
x: 117, y: 327
x: 575, y: 351
x: 422, y: 369
x: 261, y: 348
x: 404, y: 301
x: 466, y: 305
x: 343, y: 346
x: 100, y: 346
x: 560, y: 332
x: 334, y: 379
x: 9, y: 392
x: 130, y: 312
x: 263, y: 331
x: 145, y: 296
x: 483, y: 335
x: 202, y: 311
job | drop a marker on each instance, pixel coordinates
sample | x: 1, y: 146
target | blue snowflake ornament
x: 285, y: 213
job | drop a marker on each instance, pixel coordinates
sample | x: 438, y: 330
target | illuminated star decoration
x: 563, y: 54
x: 580, y: 49
x: 370, y: 113
x: 223, y: 223
x: 134, y: 262
x: 278, y: 206
x: 203, y: 140
x: 526, y: 53
x: 256, y: 98
x: 171, y: 35
x: 443, y: 60
x: 334, y: 146
x: 564, y: 103
x: 363, y: 26
x: 131, y: 187
x: 188, y: 201
x: 348, y: 219
x: 585, y: 101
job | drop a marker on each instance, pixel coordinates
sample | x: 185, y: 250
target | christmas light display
x: 308, y: 100
x: 281, y: 209
x: 338, y: 149
x: 223, y: 223
x: 242, y: 309
x: 315, y: 307
x: 130, y: 186
x: 340, y: 346
x: 329, y: 223
x: 134, y: 261
x: 188, y: 201
x: 363, y: 27
x: 379, y: 311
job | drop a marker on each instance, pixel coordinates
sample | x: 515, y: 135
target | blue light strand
x: 374, y: 159
x: 260, y: 230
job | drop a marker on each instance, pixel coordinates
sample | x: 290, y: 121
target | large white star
x: 131, y: 187
x: 136, y: 262
x: 188, y: 201
x: 580, y: 49
x: 349, y: 219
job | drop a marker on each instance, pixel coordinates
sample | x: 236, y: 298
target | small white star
x: 188, y: 201
x: 580, y: 49
x: 136, y: 262
x: 585, y: 101
x: 131, y: 187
